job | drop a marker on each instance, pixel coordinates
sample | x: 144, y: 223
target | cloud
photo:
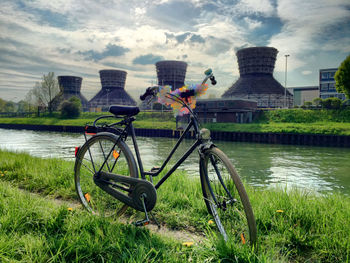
x: 110, y: 51
x: 147, y: 59
x: 261, y: 7
x: 306, y: 72
x: 252, y: 24
x: 80, y: 37
x: 305, y: 27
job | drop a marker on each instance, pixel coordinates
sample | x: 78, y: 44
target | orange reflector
x: 243, y: 239
x: 146, y: 223
x: 87, y: 197
x: 115, y: 154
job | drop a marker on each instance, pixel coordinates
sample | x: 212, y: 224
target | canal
x: 321, y: 169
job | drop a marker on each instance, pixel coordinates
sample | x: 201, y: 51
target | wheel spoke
x: 93, y: 156
x: 226, y: 198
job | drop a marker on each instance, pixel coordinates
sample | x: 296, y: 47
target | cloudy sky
x: 81, y: 37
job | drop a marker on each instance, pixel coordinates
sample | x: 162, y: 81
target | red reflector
x: 90, y: 133
x: 76, y: 150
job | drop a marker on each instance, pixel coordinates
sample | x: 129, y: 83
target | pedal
x: 145, y: 221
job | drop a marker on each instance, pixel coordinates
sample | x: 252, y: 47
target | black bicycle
x: 105, y: 167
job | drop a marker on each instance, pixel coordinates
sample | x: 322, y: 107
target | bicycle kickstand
x: 146, y: 220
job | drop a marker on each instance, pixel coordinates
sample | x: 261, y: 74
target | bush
x: 317, y: 102
x: 70, y: 108
x: 307, y: 105
x: 331, y: 103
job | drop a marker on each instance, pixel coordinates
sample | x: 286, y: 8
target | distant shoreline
x: 270, y: 138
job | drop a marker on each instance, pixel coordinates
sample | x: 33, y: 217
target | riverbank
x: 288, y: 126
x: 293, y: 226
x: 258, y: 137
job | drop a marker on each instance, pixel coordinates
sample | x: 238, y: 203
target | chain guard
x: 137, y: 188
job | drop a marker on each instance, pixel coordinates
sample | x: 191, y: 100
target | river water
x: 321, y: 169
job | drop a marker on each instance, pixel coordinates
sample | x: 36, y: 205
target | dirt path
x: 179, y: 235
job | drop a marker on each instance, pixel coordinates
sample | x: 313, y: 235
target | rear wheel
x: 226, y: 198
x: 103, y: 150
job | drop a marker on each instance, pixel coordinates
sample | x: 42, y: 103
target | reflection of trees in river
x: 252, y: 161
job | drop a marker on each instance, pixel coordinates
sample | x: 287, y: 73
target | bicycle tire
x: 239, y: 222
x: 89, y: 159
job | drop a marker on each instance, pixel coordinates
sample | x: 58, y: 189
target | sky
x: 81, y: 37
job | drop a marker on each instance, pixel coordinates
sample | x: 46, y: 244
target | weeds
x: 293, y: 226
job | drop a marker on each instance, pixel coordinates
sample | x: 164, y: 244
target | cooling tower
x: 113, y: 90
x: 171, y: 72
x: 256, y: 65
x: 69, y: 86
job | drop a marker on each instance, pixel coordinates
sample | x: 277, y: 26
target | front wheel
x: 226, y: 198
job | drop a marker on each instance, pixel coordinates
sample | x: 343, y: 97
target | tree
x: 2, y: 105
x: 71, y: 108
x: 317, y: 102
x: 342, y: 77
x: 331, y: 103
x: 43, y: 92
x: 10, y: 106
x: 307, y: 104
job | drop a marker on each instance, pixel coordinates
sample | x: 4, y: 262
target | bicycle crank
x: 141, y: 192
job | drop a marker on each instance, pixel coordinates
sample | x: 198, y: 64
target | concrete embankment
x: 272, y: 138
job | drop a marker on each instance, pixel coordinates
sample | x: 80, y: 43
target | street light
x: 285, y: 83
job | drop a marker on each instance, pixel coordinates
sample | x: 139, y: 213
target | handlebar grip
x: 143, y: 97
x: 149, y: 91
x: 213, y: 81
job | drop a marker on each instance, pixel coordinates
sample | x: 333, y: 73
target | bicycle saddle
x: 124, y: 110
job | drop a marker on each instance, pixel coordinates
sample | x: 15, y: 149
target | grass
x: 293, y: 226
x: 327, y: 128
x: 37, y: 230
x: 298, y: 121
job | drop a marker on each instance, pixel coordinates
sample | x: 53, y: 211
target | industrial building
x: 112, y: 92
x: 304, y: 94
x: 172, y: 73
x: 256, y: 82
x: 69, y: 86
x: 327, y: 84
x: 225, y: 110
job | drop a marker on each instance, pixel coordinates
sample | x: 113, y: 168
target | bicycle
x: 105, y: 167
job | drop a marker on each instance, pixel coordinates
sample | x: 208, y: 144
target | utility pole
x: 285, y: 83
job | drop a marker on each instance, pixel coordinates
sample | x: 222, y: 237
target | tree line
x: 40, y: 98
x: 43, y: 92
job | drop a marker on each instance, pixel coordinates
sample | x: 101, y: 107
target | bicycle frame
x: 130, y: 130
x: 193, y: 123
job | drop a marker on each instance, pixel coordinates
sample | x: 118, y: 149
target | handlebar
x: 152, y: 91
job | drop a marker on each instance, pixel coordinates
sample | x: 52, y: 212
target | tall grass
x: 36, y: 230
x: 304, y: 116
x: 293, y: 226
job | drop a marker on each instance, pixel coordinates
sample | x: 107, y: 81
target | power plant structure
x: 112, y: 92
x: 172, y: 73
x: 256, y: 82
x: 69, y: 86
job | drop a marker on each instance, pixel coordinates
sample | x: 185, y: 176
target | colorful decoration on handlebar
x: 186, y: 94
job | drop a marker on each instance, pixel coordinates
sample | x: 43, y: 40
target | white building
x: 327, y: 84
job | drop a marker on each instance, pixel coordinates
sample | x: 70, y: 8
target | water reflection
x: 317, y: 168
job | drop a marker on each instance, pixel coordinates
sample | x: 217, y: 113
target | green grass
x: 298, y: 121
x: 311, y: 227
x: 305, y: 116
x: 328, y: 128
x: 147, y: 120
x: 37, y: 230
